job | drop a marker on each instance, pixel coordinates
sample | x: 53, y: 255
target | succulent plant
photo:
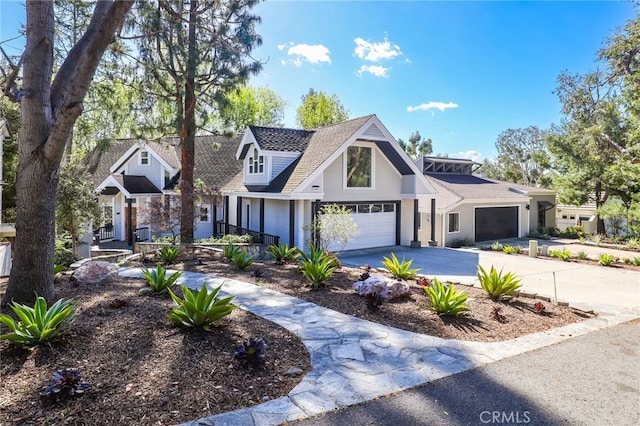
x: 251, y: 353
x: 373, y: 300
x: 423, y: 281
x: 540, y: 308
x: 496, y: 314
x: 65, y: 384
x: 257, y: 273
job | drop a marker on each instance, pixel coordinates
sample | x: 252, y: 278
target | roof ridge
x: 346, y: 121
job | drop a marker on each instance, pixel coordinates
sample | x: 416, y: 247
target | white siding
x: 406, y: 222
x: 278, y: 164
x: 276, y: 219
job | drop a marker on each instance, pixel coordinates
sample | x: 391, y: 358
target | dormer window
x: 256, y: 163
x: 144, y: 158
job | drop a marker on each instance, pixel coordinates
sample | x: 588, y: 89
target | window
x: 203, y: 214
x: 256, y: 163
x: 454, y: 222
x: 364, y: 208
x: 388, y: 208
x: 144, y: 158
x: 107, y: 214
x: 359, y: 167
x: 167, y: 178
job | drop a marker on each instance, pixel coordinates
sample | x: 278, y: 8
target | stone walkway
x: 354, y: 360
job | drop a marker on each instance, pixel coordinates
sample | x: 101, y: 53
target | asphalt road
x: 590, y: 380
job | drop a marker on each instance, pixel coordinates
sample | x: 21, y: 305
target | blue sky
x: 458, y: 72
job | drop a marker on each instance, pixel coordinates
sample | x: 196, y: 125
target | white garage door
x: 376, y: 225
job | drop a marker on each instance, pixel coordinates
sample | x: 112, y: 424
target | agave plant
x: 241, y: 259
x: 497, y: 284
x: 169, y: 254
x: 400, y: 270
x: 251, y: 353
x: 318, y: 271
x: 445, y: 300
x: 229, y: 251
x: 282, y: 253
x: 199, y: 308
x: 158, y: 281
x: 606, y: 259
x: 65, y: 384
x: 37, y: 325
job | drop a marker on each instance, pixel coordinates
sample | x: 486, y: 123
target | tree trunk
x: 189, y: 133
x: 48, y: 112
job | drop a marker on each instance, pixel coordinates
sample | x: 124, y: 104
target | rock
x: 96, y: 272
x: 387, y: 288
x: 293, y: 372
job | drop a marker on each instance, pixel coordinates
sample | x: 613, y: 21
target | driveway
x: 594, y: 287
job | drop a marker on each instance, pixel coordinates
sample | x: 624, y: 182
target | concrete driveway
x: 585, y: 286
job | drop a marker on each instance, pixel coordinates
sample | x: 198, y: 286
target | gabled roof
x: 215, y: 162
x: 454, y: 188
x: 128, y: 184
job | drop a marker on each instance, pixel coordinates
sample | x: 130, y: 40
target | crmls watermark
x: 505, y: 417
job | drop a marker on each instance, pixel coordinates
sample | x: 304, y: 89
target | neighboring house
x: 287, y: 175
x: 585, y: 215
x: 472, y: 207
x: 131, y: 173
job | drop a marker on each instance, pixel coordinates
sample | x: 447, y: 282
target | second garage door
x: 376, y: 225
x: 494, y: 223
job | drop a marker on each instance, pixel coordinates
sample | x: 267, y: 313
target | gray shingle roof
x: 281, y: 139
x: 469, y: 187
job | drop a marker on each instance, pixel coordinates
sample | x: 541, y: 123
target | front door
x: 134, y: 221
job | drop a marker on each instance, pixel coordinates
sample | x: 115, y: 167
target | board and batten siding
x: 276, y: 219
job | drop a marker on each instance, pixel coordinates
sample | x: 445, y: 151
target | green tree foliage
x: 76, y: 204
x: 596, y: 148
x: 9, y: 111
x: 193, y: 53
x: 258, y: 106
x: 522, y: 158
x: 318, y: 109
x: 333, y: 227
x: 417, y: 146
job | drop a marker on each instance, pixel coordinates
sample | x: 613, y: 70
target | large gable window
x: 256, y: 163
x: 359, y: 165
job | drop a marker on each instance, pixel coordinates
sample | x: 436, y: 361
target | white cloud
x: 372, y: 51
x: 281, y: 46
x: 376, y: 70
x: 313, y: 54
x: 469, y: 155
x: 432, y: 105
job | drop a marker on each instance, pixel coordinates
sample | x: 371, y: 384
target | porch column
x: 433, y: 220
x: 130, y: 221
x: 292, y: 223
x: 226, y: 214
x: 239, y: 215
x: 215, y: 219
x: 398, y: 221
x: 415, y: 243
x: 262, y: 215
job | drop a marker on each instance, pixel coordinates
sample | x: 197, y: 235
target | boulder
x: 96, y: 272
x: 388, y: 288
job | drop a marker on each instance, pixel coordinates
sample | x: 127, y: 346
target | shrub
x: 169, y: 254
x: 511, y: 249
x: 252, y: 353
x: 58, y: 268
x: 241, y: 259
x: 63, y: 252
x: 400, y: 270
x: 158, y: 281
x: 37, y: 325
x: 496, y: 284
x: 199, y: 308
x: 282, y: 253
x: 497, y: 246
x: 606, y: 259
x: 636, y: 261
x: 229, y: 251
x: 65, y: 384
x: 633, y: 243
x: 445, y: 300
x: 575, y: 231
x: 560, y: 254
x: 582, y: 256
